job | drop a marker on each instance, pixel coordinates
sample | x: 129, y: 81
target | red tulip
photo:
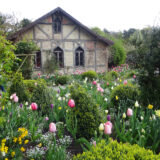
x: 71, y: 103
x: 34, y: 106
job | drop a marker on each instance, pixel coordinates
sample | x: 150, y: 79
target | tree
x: 118, y: 54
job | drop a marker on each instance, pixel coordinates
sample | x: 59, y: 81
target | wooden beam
x: 43, y: 31
x: 70, y: 32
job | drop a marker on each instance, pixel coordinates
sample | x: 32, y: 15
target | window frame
x: 80, y: 52
x: 57, y: 51
x: 36, y: 60
x: 57, y: 25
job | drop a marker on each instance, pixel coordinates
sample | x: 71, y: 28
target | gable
x: 68, y: 19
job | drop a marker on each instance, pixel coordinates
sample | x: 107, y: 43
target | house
x: 75, y: 46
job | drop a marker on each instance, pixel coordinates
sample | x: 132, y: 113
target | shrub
x: 62, y: 80
x: 32, y: 91
x: 112, y: 75
x: 117, y: 151
x: 90, y: 75
x: 124, y: 92
x: 86, y: 112
x: 19, y: 88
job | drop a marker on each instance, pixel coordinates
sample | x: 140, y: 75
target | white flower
x: 153, y: 117
x: 106, y: 111
x: 64, y: 98
x: 26, y: 103
x: 101, y: 127
x: 115, y: 84
x: 124, y: 116
x: 142, y: 118
x: 59, y: 98
x: 143, y: 131
x: 136, y: 104
x: 106, y: 99
x: 112, y: 87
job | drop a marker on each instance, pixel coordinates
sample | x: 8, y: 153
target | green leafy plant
x: 90, y: 75
x: 86, y: 112
x: 116, y: 151
x: 62, y: 80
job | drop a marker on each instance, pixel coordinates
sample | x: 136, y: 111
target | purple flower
x: 21, y: 105
x: 58, y: 91
x: 46, y: 118
x: 51, y: 106
x: 108, y: 117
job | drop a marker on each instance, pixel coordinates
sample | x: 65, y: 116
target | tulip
x: 51, y: 106
x: 107, y: 129
x: 34, y: 106
x: 136, y: 104
x: 124, y: 116
x: 15, y: 99
x: 94, y: 83
x: 46, y: 118
x: 134, y: 76
x: 108, y: 123
x: 108, y: 117
x: 52, y: 127
x: 107, y: 84
x: 129, y: 112
x: 125, y: 82
x: 101, y: 127
x: 71, y: 103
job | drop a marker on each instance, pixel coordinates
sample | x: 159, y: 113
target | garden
x: 80, y: 116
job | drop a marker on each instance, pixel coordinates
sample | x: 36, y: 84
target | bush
x: 19, y: 88
x: 124, y: 92
x: 117, y: 151
x: 90, y: 75
x: 112, y: 75
x: 32, y: 91
x: 86, y: 112
x: 62, y: 80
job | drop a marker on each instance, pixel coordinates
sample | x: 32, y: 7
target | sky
x: 114, y: 15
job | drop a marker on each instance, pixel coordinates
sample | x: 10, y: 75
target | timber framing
x: 59, y: 10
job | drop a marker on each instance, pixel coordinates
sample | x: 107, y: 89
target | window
x: 58, y: 53
x: 57, y: 25
x: 38, y: 59
x: 79, y: 57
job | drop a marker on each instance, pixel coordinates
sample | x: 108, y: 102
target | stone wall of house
x: 71, y: 37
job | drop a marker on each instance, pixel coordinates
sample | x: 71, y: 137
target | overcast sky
x: 114, y: 15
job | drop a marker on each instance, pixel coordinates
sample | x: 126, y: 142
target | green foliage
x: 86, y: 112
x: 26, y: 47
x: 19, y: 88
x: 117, y: 151
x: 148, y: 79
x: 110, y: 76
x: 119, y: 54
x: 90, y: 75
x: 7, y: 57
x: 32, y: 91
x: 124, y: 92
x: 62, y: 80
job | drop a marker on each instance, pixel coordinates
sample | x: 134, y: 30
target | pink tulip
x: 109, y: 123
x: 125, y: 82
x: 107, y: 129
x: 134, y: 76
x: 13, y: 95
x: 94, y: 83
x: 39, y: 74
x: 98, y: 85
x: 129, y: 112
x: 15, y: 99
x: 71, y: 103
x: 52, y: 127
x: 34, y: 106
x: 46, y: 118
x: 107, y: 84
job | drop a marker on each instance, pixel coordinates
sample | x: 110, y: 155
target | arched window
x: 59, y: 57
x: 57, y: 25
x: 79, y: 57
x: 38, y: 59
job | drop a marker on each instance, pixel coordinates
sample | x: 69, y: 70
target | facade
x: 74, y: 46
